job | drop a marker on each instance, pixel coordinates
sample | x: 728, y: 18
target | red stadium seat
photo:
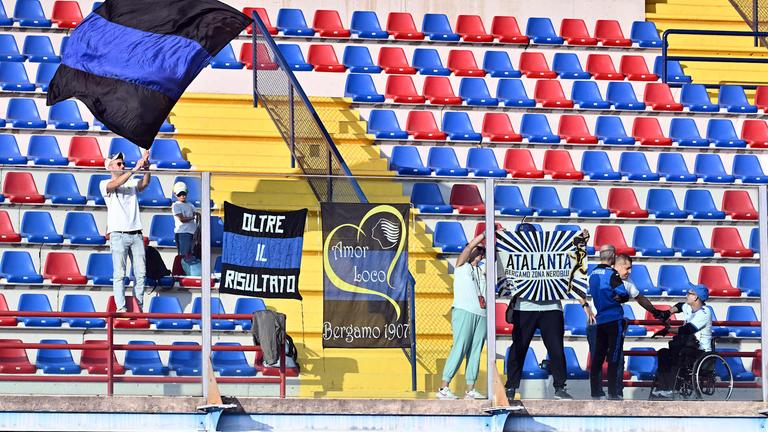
x: 262, y: 13
x: 263, y: 60
x: 559, y: 165
x: 716, y: 279
x: 609, y: 33
x: 471, y: 29
x: 14, y: 360
x: 738, y: 205
x: 506, y: 30
x: 85, y: 151
x: 549, y: 93
x: 574, y: 129
x: 635, y: 68
x: 462, y: 63
x: 647, y: 131
x: 19, y: 187
x: 400, y: 89
x: 438, y: 90
x: 132, y: 305
x: 502, y: 326
x: 66, y: 14
x: 519, y: 164
x: 755, y: 133
x: 534, y: 65
x: 401, y: 26
x: 393, y: 61
x: 498, y: 128
x: 659, y: 97
x: 324, y: 59
x: 648, y: 316
x: 623, y: 202
x: 601, y: 67
x: 7, y: 233
x: 726, y: 241
x: 61, y: 268
x: 757, y: 364
x: 328, y: 24
x: 95, y: 359
x: 612, y: 235
x: 761, y: 97
x: 6, y: 321
x: 480, y: 228
x: 421, y: 124
x: 574, y: 31
x: 466, y: 199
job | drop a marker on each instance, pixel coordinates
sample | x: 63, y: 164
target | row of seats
x: 35, y: 49
x: 30, y: 13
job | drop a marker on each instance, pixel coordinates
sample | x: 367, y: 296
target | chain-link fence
x: 755, y: 14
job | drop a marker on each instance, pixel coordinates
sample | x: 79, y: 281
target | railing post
x: 254, y: 28
x: 205, y: 273
x: 282, y: 365
x: 664, y: 42
x: 490, y: 282
x: 292, y: 121
x: 755, y: 23
x: 412, y: 312
x: 762, y: 205
x: 110, y: 353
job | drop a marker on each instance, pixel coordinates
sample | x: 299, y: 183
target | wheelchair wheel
x: 712, y: 378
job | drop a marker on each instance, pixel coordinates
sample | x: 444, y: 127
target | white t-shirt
x: 468, y: 282
x: 538, y: 306
x: 122, y: 206
x: 187, y: 210
x: 702, y: 320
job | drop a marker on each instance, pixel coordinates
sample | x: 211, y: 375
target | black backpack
x: 155, y: 265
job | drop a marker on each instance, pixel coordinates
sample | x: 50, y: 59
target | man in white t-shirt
x: 124, y: 224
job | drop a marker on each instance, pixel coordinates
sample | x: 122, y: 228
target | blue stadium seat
x: 407, y: 161
x: 509, y: 201
x: 248, y: 305
x: 722, y: 133
x: 695, y: 98
x: 458, y: 127
x: 597, y: 166
x: 535, y: 128
x: 166, y: 127
x: 531, y: 369
x: 545, y: 202
x: 161, y: 230
x: 442, y: 160
x: 38, y: 227
x: 427, y: 62
x: 17, y: 267
x: 61, y: 188
x: 541, y: 31
x: 144, y: 362
x: 475, y: 92
x: 747, y: 168
x: 672, y: 167
x: 734, y: 100
x: 81, y: 303
x: 186, y: 363
x: 710, y: 168
x: 365, y: 24
x: 165, y: 153
x: 9, y: 51
x: 642, y: 367
x: 586, y: 94
x: 292, y: 23
x: 749, y: 281
x: 436, y: 27
x: 662, y: 204
x: 622, y: 96
x: 80, y: 228
x: 585, y: 203
x: 567, y: 66
x: 674, y: 280
x: 217, y: 231
x: 718, y: 331
x: 4, y: 19
x: 567, y: 227
x: 633, y: 329
x: 648, y: 241
x: 216, y: 308
x: 94, y: 193
x: 575, y: 319
x: 360, y: 88
x: 22, y: 113
x: 512, y: 93
x: 754, y: 240
x: 231, y: 363
x: 9, y: 151
x: 383, y: 124
x: 482, y: 163
x: 699, y: 203
x: 39, y: 49
x: 357, y: 59
x: 194, y: 190
x: 29, y: 13
x: 675, y: 72
x: 742, y: 313
x: 643, y: 281
x: 645, y: 34
x: 687, y: 242
x: 736, y: 364
x: 56, y: 361
x: 13, y: 77
x: 449, y: 237
x: 44, y: 150
x: 33, y: 302
x: 294, y: 57
x: 634, y: 166
x: 99, y: 269
x: 572, y: 367
x: 168, y: 305
x: 153, y: 195
x: 684, y: 132
x: 130, y: 151
x: 498, y: 65
x: 610, y: 130
x: 225, y: 59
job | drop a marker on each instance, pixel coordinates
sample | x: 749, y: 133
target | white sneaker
x: 446, y: 394
x: 662, y: 393
x: 473, y: 394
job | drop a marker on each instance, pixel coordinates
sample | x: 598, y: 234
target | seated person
x: 691, y: 339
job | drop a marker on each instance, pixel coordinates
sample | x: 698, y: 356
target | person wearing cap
x: 690, y: 340
x: 184, y: 221
x: 124, y: 224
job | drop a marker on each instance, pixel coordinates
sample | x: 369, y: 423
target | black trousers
x: 525, y: 324
x: 609, y: 343
x: 671, y: 360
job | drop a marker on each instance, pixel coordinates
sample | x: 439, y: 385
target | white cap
x: 112, y: 158
x: 179, y: 187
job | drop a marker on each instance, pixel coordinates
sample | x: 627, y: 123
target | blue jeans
x: 123, y: 246
x: 184, y: 242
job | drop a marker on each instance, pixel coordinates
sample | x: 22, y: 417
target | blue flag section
x: 261, y: 256
x: 129, y: 61
x: 366, y: 279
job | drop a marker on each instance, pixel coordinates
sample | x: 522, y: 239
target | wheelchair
x: 705, y: 377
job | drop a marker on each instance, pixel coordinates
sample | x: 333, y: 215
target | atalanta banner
x: 365, y: 281
x: 261, y: 256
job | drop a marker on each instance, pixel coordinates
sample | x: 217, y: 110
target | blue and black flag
x: 130, y: 60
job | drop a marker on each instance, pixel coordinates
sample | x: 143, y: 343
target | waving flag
x: 130, y: 60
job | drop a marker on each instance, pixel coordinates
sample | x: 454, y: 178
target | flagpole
x: 490, y: 282
x: 205, y: 246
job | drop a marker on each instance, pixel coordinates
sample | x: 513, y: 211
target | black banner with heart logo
x: 365, y: 275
